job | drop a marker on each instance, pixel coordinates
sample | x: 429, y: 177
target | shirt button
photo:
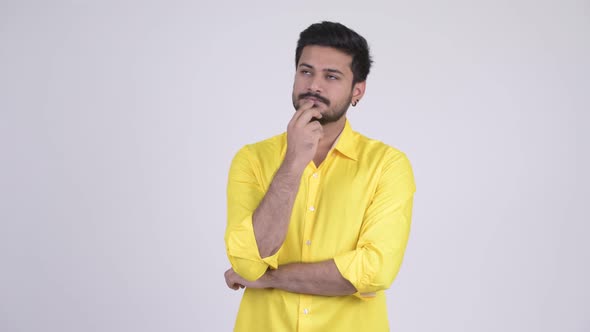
x: 308, y: 242
x: 305, y: 311
x: 311, y: 208
x: 315, y: 175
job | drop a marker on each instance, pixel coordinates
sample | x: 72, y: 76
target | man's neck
x: 332, y: 131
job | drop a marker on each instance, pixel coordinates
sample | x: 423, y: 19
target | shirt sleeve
x: 375, y: 262
x: 244, y: 194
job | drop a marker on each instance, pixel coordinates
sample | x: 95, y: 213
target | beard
x: 332, y: 114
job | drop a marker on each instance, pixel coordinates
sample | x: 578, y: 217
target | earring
x: 355, y: 102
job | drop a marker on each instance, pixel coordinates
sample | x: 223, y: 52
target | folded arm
x: 373, y: 264
x: 322, y: 278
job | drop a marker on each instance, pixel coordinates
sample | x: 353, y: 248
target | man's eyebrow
x: 330, y: 70
x: 334, y: 71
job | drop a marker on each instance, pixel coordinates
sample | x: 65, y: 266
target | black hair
x: 340, y: 37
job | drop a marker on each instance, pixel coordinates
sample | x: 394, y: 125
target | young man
x: 319, y: 216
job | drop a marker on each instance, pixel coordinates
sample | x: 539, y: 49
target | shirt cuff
x: 243, y: 252
x: 349, y: 268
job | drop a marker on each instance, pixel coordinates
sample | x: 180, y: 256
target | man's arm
x: 321, y: 278
x: 258, y: 221
x: 271, y: 218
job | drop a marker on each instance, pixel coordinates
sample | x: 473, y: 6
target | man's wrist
x: 292, y: 166
x: 271, y: 279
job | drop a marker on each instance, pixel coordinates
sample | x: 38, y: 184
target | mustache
x: 316, y: 96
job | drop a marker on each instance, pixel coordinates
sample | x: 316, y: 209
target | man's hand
x: 235, y: 282
x: 303, y: 135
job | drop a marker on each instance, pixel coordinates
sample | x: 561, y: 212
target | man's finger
x: 307, y: 115
x: 307, y: 104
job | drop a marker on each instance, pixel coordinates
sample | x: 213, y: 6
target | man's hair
x: 342, y: 38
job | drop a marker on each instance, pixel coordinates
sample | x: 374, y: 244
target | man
x: 318, y: 217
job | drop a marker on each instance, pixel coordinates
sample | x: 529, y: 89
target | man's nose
x: 315, y: 84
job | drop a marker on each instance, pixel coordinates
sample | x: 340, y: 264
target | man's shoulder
x: 268, y: 147
x: 371, y: 147
x: 377, y: 155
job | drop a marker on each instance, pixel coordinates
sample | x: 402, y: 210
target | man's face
x: 324, y: 76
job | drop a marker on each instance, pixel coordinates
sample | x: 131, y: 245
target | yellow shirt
x: 354, y: 208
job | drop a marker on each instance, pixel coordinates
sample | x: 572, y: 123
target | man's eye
x: 332, y: 77
x: 305, y: 72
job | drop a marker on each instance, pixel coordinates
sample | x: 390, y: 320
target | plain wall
x: 118, y: 121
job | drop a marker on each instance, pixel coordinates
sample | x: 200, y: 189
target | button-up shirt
x: 355, y: 208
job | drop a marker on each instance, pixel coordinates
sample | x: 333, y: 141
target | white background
x: 118, y: 121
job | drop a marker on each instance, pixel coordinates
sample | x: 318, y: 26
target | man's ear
x: 358, y: 91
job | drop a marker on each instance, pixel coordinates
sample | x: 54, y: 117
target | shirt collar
x: 345, y: 142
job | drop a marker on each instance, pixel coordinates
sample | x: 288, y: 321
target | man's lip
x: 314, y: 99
